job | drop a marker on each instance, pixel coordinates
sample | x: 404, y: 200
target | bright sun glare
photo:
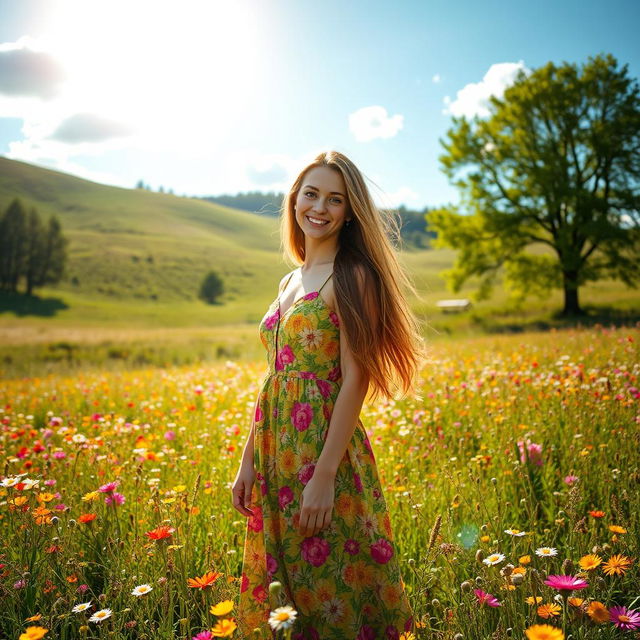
x: 180, y: 68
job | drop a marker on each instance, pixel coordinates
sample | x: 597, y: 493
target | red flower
x: 205, y: 581
x: 160, y: 532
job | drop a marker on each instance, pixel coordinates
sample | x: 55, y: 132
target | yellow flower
x: 598, y: 612
x: 222, y: 608
x: 34, y: 618
x: 524, y: 559
x: 575, y: 602
x: 532, y: 600
x: 179, y: 488
x: 544, y: 632
x: 407, y: 636
x: 92, y: 496
x: 225, y: 627
x: 33, y: 633
x: 485, y: 539
x: 589, y: 562
x: 614, y: 528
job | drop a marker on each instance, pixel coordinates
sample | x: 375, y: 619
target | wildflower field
x: 513, y: 488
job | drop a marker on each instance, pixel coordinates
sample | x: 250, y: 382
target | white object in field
x: 454, y: 305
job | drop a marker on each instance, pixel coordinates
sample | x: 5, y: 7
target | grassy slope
x: 115, y: 233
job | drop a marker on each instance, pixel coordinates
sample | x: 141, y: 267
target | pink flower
x: 271, y: 320
x: 306, y: 473
x: 109, y: 487
x: 325, y: 387
x: 351, y: 546
x: 486, y: 598
x: 533, y: 453
x: 566, y: 583
x: 315, y: 550
x: 272, y: 565
x: 334, y: 374
x: 357, y: 482
x: 285, y: 497
x: 381, y: 551
x: 169, y: 435
x: 366, y: 633
x: 82, y: 588
x: 301, y: 415
x: 571, y: 480
x: 624, y: 618
x: 255, y: 522
x: 50, y: 483
x: 21, y: 584
x: 115, y: 497
x: 203, y: 635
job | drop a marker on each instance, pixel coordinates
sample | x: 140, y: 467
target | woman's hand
x: 316, y: 504
x: 241, y: 488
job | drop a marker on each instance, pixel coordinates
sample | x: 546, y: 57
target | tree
x: 211, y: 288
x: 13, y: 243
x: 557, y: 164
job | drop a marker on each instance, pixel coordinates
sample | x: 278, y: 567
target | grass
x: 172, y: 437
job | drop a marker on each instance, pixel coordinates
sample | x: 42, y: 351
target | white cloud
x: 473, y: 99
x: 403, y: 195
x: 373, y: 122
x: 436, y: 78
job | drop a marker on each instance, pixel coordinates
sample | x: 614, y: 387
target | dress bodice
x: 304, y: 341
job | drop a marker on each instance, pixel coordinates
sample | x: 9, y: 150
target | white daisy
x: 282, y: 617
x: 546, y: 551
x: 494, y: 558
x: 81, y: 607
x: 515, y: 532
x: 79, y: 438
x: 141, y: 589
x: 313, y: 393
x: 29, y: 483
x: 103, y: 614
x: 10, y: 481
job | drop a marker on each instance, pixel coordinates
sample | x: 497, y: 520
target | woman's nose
x: 319, y: 204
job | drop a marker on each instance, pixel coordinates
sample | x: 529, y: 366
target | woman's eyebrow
x: 310, y: 186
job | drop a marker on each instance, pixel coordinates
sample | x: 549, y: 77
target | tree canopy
x: 555, y: 164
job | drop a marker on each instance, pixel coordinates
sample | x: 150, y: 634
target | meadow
x: 519, y: 463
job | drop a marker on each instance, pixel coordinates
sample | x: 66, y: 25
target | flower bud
x: 517, y: 578
x: 435, y: 602
x: 479, y: 555
x: 507, y: 570
x: 466, y: 586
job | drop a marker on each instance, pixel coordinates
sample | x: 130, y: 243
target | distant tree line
x: 141, y: 185
x: 30, y: 249
x: 413, y: 231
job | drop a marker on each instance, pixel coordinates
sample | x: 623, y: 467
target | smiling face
x: 321, y: 205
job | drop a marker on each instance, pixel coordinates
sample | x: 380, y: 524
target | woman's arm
x: 247, y: 454
x: 348, y: 405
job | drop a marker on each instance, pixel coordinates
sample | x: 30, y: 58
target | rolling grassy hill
x: 136, y: 259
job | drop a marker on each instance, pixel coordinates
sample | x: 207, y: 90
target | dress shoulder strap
x: 286, y: 283
x: 325, y: 282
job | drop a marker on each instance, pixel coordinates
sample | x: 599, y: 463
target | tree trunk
x: 571, y: 304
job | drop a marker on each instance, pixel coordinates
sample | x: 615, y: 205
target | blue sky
x: 209, y: 97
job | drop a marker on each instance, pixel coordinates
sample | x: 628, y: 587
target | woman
x: 340, y: 326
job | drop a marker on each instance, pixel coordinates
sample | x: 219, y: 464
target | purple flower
x: 21, y: 584
x: 624, y: 618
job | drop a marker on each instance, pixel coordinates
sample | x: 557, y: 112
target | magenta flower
x: 624, y: 618
x: 203, y: 635
x: 109, y: 487
x: 116, y: 497
x: 486, y: 598
x: 571, y: 480
x: 566, y: 583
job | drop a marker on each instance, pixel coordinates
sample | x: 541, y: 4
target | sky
x: 210, y: 97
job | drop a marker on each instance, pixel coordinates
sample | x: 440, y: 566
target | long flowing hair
x: 391, y: 350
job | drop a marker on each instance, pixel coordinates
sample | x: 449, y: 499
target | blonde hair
x: 391, y: 349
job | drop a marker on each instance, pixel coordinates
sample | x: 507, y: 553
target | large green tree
x: 556, y: 163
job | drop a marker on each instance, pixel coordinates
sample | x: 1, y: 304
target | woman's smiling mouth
x: 317, y: 222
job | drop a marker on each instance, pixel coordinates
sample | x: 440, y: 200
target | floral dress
x: 345, y: 581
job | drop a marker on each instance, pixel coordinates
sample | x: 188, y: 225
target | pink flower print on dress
x: 255, y: 521
x: 357, y: 482
x: 244, y: 584
x: 285, y: 497
x: 352, y: 547
x: 306, y: 473
x: 262, y: 482
x: 381, y: 551
x: 333, y: 316
x: 272, y: 320
x: 301, y: 415
x: 311, y: 296
x: 260, y: 593
x: 272, y: 565
x: 391, y: 633
x: 366, y: 633
x: 334, y: 374
x: 285, y: 357
x: 325, y: 388
x: 315, y: 550
x: 259, y: 415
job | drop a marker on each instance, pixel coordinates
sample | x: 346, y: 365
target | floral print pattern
x: 345, y: 581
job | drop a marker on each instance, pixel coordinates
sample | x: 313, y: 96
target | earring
x: 347, y: 223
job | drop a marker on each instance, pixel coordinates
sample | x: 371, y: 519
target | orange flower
x: 34, y: 618
x: 33, y: 633
x: 617, y: 564
x: 597, y: 514
x: 224, y: 628
x: 205, y: 581
x: 589, y: 562
x: 575, y: 602
x: 549, y: 610
x: 87, y: 517
x: 160, y: 532
x: 598, y: 612
x: 524, y: 559
x: 544, y: 632
x: 41, y: 515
